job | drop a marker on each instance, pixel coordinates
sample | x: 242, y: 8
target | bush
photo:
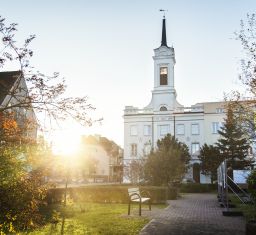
x: 198, y: 188
x: 109, y: 193
x: 20, y: 202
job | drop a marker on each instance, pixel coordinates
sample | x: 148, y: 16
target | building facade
x: 100, y: 159
x: 193, y: 125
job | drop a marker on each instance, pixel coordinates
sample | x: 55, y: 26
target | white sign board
x: 240, y: 176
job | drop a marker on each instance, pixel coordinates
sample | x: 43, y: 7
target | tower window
x: 163, y: 76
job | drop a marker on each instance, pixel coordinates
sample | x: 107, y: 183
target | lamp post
x: 66, y: 187
x: 66, y: 178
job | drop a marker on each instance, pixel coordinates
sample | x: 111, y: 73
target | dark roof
x: 7, y: 80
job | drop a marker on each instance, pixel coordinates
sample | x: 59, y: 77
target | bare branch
x: 35, y: 89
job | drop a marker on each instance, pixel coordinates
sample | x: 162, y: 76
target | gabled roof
x: 7, y: 80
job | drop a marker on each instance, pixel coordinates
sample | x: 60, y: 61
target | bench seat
x: 135, y: 196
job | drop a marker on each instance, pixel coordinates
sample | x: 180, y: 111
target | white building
x: 100, y: 159
x: 193, y: 125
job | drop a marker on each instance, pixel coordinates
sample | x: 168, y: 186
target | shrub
x: 109, y: 193
x: 251, y: 180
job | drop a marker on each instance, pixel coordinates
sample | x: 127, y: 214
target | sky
x: 104, y: 50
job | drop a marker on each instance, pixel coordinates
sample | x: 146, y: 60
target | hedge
x: 109, y: 193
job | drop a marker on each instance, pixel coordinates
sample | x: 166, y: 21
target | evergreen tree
x: 232, y: 143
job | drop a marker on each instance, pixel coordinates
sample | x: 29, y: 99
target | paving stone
x: 194, y: 214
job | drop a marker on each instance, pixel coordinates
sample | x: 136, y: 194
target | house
x: 14, y: 101
x: 100, y: 160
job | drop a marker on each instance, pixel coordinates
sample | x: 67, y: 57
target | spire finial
x: 164, y: 41
x: 163, y: 10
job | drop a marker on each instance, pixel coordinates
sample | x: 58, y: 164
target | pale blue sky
x: 104, y: 48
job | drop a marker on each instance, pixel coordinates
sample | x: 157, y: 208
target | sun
x: 66, y: 143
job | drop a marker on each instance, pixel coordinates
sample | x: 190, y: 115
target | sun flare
x: 66, y: 143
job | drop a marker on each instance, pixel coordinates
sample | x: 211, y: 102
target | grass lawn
x: 94, y: 219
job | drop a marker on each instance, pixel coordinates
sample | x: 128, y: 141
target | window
x: 219, y: 110
x: 163, y: 76
x: 147, y: 130
x: 133, y: 149
x: 215, y: 127
x: 163, y: 108
x: 180, y: 129
x: 164, y: 129
x: 195, y: 147
x: 195, y: 129
x: 133, y: 130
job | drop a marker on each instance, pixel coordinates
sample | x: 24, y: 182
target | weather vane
x: 163, y: 10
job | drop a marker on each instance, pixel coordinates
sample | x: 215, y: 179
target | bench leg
x: 140, y: 209
x: 129, y: 208
x: 149, y: 205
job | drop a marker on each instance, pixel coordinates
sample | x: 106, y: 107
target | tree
x: 210, y: 158
x: 134, y: 171
x: 169, y: 162
x: 24, y: 165
x: 23, y: 161
x: 46, y: 94
x: 232, y: 144
x: 244, y: 104
x: 247, y: 37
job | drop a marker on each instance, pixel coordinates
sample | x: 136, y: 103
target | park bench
x: 135, y: 196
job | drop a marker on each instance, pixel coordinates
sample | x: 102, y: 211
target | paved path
x: 194, y: 214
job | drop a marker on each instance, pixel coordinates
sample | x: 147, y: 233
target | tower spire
x: 164, y: 42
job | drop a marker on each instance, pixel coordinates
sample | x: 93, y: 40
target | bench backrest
x: 132, y: 191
